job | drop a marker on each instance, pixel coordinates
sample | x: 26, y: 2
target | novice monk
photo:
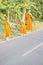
x: 28, y: 20
x: 7, y: 29
x: 22, y: 28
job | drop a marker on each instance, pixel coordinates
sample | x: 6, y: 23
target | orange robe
x: 28, y: 21
x: 7, y: 28
x: 22, y: 28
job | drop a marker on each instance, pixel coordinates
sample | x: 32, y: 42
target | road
x: 23, y: 50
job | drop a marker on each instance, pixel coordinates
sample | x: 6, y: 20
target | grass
x: 14, y: 33
x: 37, y: 25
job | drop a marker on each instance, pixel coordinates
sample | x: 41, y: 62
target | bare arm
x: 30, y: 14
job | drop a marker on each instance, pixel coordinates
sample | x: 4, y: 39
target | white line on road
x: 33, y: 49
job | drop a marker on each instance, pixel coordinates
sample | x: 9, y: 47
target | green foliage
x: 37, y: 9
x: 16, y: 8
x: 13, y: 11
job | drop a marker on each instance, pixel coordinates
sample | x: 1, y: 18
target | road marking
x: 20, y: 36
x: 33, y: 49
x: 12, y: 38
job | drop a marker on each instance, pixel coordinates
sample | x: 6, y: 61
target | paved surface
x: 24, y: 50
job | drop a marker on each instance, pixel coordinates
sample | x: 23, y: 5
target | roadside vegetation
x: 14, y: 9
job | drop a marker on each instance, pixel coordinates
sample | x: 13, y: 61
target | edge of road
x: 21, y: 35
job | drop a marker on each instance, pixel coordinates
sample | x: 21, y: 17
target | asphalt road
x: 23, y: 50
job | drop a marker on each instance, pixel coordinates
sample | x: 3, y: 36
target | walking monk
x: 28, y: 20
x: 22, y: 28
x: 7, y: 29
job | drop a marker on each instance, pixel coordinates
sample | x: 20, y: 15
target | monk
x: 22, y: 28
x: 7, y: 29
x: 28, y: 20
